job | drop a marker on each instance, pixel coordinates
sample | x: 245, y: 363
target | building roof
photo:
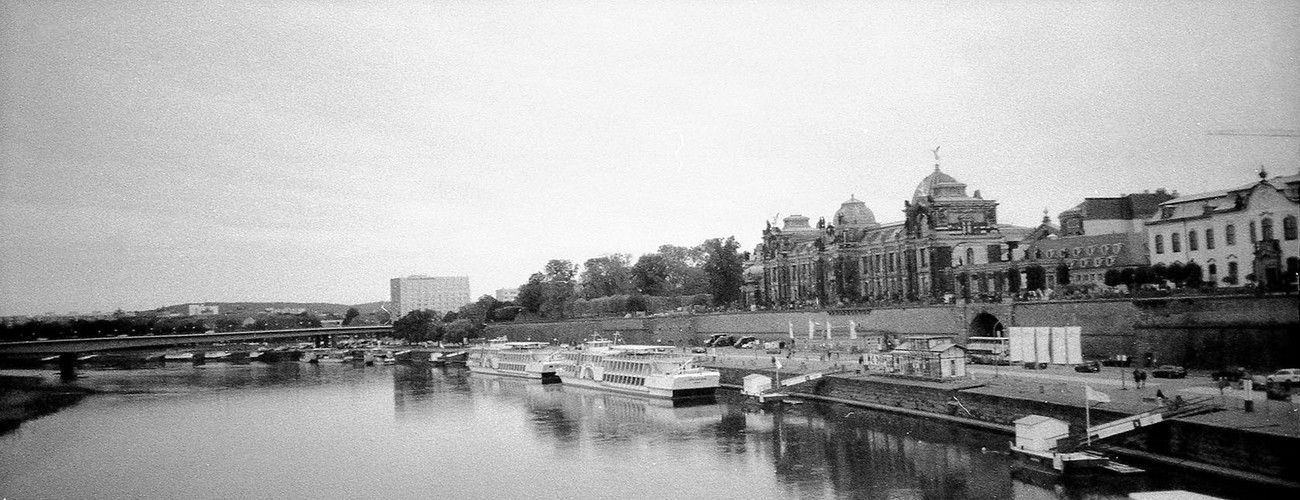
x: 938, y: 185
x: 1126, y: 207
x: 854, y: 213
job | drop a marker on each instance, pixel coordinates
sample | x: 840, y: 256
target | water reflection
x: 343, y: 430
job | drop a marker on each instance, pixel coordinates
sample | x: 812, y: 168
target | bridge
x: 69, y: 349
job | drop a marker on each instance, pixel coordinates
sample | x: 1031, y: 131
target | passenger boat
x: 530, y: 360
x: 641, y: 370
x: 216, y: 355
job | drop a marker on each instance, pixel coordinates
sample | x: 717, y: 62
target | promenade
x: 1062, y: 385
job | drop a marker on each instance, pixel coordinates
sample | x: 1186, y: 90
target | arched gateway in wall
x: 986, y: 325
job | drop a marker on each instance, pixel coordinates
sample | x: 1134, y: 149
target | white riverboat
x: 641, y: 370
x: 530, y: 360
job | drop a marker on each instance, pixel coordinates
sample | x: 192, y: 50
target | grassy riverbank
x: 26, y: 398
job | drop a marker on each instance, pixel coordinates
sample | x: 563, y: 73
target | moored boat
x: 530, y: 360
x: 642, y: 370
x: 178, y: 356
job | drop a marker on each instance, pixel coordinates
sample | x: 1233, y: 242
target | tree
x: 606, y: 276
x: 650, y: 275
x: 1158, y: 273
x: 350, y: 315
x: 1013, y: 280
x: 418, y: 326
x: 1035, y: 277
x: 684, y: 270
x: 1174, y: 273
x: 560, y: 271
x: 1192, y: 275
x: 723, y: 269
x: 1128, y: 276
x: 1112, y: 277
x: 530, y: 293
x: 1062, y: 274
x: 458, y: 331
x: 636, y: 302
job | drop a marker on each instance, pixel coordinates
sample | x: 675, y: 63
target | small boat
x: 254, y: 355
x: 216, y: 355
x: 87, y: 357
x: 178, y: 356
x: 323, y: 356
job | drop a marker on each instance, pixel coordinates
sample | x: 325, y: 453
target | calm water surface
x: 338, y: 431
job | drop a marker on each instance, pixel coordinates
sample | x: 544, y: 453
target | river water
x: 293, y: 430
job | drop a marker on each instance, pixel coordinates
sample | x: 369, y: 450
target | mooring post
x: 68, y: 366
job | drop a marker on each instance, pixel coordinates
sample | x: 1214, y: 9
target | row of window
x: 625, y: 379
x: 1265, y: 231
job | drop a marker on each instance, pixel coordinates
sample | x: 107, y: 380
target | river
x: 292, y: 430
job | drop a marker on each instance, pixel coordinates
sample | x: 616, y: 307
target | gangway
x: 1187, y: 408
x: 760, y: 386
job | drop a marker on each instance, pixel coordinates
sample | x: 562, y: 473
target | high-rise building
x: 436, y: 293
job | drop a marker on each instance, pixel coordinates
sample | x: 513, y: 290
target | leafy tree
x: 458, y: 331
x: 650, y: 275
x: 530, y: 293
x: 685, y: 273
x: 1062, y: 274
x: 1144, y: 275
x: 1192, y: 275
x: 350, y: 315
x: 450, y: 316
x: 606, y: 276
x: 1112, y: 277
x: 418, y: 326
x: 1128, y: 276
x: 1175, y: 274
x: 637, y: 302
x: 723, y: 269
x: 560, y: 271
x: 1158, y: 273
x: 506, y: 313
x: 1035, y: 277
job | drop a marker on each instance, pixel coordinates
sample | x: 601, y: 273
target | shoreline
x: 930, y: 404
x: 26, y: 398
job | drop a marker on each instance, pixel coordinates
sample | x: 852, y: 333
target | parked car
x: 1169, y: 371
x: 1285, y: 376
x: 1229, y: 374
x: 1089, y: 367
x: 699, y: 350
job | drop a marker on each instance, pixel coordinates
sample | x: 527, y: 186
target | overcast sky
x: 164, y: 152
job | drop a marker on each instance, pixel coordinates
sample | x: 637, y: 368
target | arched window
x: 1192, y: 244
x: 1266, y: 228
x: 1160, y: 243
x: 1288, y: 228
x: 1175, y: 242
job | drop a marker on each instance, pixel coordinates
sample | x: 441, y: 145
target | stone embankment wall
x: 1201, y: 332
x: 1244, y: 450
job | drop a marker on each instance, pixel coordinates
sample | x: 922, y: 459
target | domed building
x: 857, y: 259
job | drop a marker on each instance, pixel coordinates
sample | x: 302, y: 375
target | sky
x: 167, y: 152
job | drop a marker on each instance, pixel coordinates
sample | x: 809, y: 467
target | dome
x: 939, y: 185
x: 796, y: 223
x: 854, y: 213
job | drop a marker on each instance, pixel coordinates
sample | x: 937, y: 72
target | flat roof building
x: 435, y: 293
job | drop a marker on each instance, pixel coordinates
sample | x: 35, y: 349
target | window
x: 1230, y: 235
x: 1288, y: 228
x: 1266, y: 229
x: 1209, y: 239
x: 1175, y: 242
x: 1232, y: 270
x: 970, y: 256
x: 1160, y: 243
x: 1253, y: 235
x: 1214, y: 271
x: 1191, y: 241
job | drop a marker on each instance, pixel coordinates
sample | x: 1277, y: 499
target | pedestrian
x: 1137, y: 378
x: 774, y: 360
x: 861, y: 360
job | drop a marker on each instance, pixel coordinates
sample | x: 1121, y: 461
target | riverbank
x: 1260, y: 447
x: 26, y: 398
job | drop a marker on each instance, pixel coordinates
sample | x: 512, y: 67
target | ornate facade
x: 855, y: 259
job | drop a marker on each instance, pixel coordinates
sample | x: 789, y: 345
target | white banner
x: 1015, y: 349
x: 1073, y: 345
x: 828, y: 329
x: 853, y: 330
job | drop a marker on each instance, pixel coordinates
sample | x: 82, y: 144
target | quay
x: 1261, y: 446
